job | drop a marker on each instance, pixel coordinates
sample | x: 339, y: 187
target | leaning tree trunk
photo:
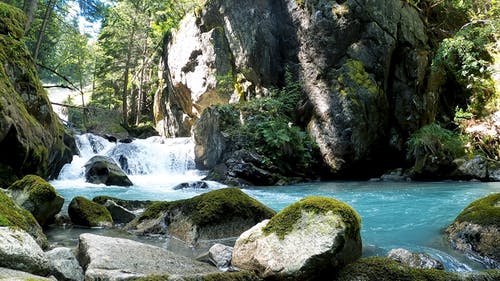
x: 46, y: 17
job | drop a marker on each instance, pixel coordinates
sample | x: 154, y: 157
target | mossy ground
x: 385, y: 269
x: 213, y: 207
x: 282, y: 223
x: 39, y: 190
x: 484, y: 211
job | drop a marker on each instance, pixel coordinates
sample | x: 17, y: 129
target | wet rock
x: 476, y: 230
x: 84, y: 212
x: 217, y: 214
x: 19, y: 251
x: 119, y: 213
x: 107, y: 258
x: 415, y: 260
x: 192, y: 185
x: 309, y: 239
x: 475, y: 168
x: 110, y: 138
x: 104, y: 170
x: 126, y: 140
x: 133, y: 205
x: 64, y: 261
x: 37, y: 196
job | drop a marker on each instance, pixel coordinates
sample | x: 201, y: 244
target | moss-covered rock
x: 223, y: 276
x: 385, y: 269
x: 31, y: 136
x: 308, y: 240
x: 37, y: 196
x: 11, y: 215
x: 216, y: 214
x: 87, y: 213
x: 476, y: 230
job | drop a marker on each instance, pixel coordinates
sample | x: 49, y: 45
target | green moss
x: 385, y: 269
x: 227, y: 276
x: 12, y: 21
x: 484, y: 211
x: 88, y: 213
x: 12, y: 215
x: 152, y: 278
x: 359, y: 78
x: 213, y: 207
x: 283, y: 222
x: 39, y: 190
x: 128, y: 204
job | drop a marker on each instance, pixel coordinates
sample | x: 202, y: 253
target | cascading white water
x: 155, y: 162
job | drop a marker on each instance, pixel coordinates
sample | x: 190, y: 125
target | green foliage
x: 266, y: 125
x: 282, y: 223
x: 435, y: 141
x: 484, y: 211
x: 466, y: 58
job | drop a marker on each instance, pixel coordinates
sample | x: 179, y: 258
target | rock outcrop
x: 106, y: 258
x: 84, y: 212
x: 32, y: 140
x: 217, y: 214
x: 37, y: 196
x: 476, y: 230
x: 104, y: 170
x: 64, y: 261
x: 363, y: 65
x: 312, y: 238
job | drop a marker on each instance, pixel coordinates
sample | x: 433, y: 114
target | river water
x: 409, y: 215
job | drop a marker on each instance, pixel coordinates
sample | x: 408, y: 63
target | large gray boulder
x: 309, y: 239
x: 37, y: 196
x: 106, y: 258
x: 476, y: 230
x: 103, y: 169
x: 222, y: 213
x: 64, y: 262
x: 16, y: 275
x: 19, y: 251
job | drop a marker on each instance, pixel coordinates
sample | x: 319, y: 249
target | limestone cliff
x: 32, y: 140
x: 363, y: 64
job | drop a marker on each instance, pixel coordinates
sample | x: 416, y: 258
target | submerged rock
x: 221, y: 213
x: 415, y: 260
x: 84, y: 212
x: 102, y: 169
x: 312, y: 238
x: 476, y: 230
x: 13, y: 216
x: 192, y: 184
x: 37, y: 196
x: 106, y: 258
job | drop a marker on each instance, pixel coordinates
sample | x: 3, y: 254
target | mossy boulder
x: 84, y: 212
x: 476, y: 230
x: 307, y: 240
x: 103, y: 169
x: 220, y: 276
x: 221, y: 213
x: 11, y: 215
x: 32, y: 140
x: 37, y: 196
x: 385, y: 269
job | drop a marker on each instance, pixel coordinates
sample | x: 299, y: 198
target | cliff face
x: 363, y: 64
x: 32, y: 141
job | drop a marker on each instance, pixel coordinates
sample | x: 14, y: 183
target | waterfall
x: 153, y: 160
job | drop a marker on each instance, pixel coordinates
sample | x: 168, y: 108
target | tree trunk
x: 140, y: 94
x: 125, y: 79
x: 46, y: 17
x: 29, y: 8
